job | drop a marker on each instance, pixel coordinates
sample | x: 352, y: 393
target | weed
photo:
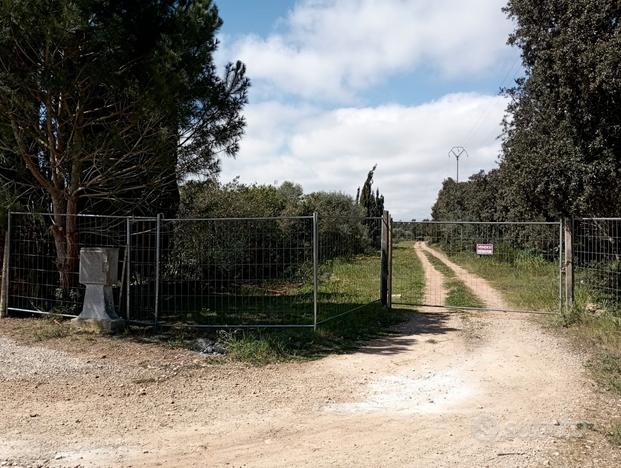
x: 606, y: 367
x: 600, y: 335
x: 614, y: 434
x: 49, y: 328
x: 345, y: 334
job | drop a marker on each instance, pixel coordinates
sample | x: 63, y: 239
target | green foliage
x: 342, y: 229
x: 561, y: 144
x: 562, y: 134
x: 340, y: 226
x: 372, y: 203
x: 212, y: 200
x: 264, y: 256
x: 478, y: 199
x: 103, y: 105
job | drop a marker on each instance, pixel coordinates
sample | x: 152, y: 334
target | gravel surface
x: 28, y: 362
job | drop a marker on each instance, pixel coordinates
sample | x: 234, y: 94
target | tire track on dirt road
x: 490, y: 296
x: 435, y: 290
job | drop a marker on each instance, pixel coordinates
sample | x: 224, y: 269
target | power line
x: 474, y: 130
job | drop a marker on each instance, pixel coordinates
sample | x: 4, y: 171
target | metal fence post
x: 569, y: 263
x: 4, y: 287
x: 560, y: 266
x: 128, y: 271
x: 157, y: 268
x: 315, y: 268
x: 384, y: 260
x: 389, y: 261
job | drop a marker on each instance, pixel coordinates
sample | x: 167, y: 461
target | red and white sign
x: 485, y: 249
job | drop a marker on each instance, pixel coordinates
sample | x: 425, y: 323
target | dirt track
x: 445, y: 390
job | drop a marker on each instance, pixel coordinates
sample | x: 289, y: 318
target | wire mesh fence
x: 227, y: 272
x: 597, y: 262
x: 349, y: 265
x: 521, y: 260
x: 300, y: 271
x: 218, y: 272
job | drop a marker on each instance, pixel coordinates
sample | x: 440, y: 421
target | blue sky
x: 339, y: 85
x: 243, y: 17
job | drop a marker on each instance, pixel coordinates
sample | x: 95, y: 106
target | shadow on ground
x: 409, y: 332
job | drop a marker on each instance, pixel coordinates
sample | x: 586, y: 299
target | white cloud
x: 333, y: 49
x: 334, y: 149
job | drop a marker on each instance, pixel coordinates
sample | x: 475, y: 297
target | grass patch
x: 408, y: 279
x: 600, y: 335
x: 615, y: 433
x: 344, y: 284
x: 458, y: 294
x: 598, y: 327
x: 342, y: 335
x: 50, y: 327
x: 530, y: 283
x: 598, y: 332
x: 347, y: 283
x: 608, y: 369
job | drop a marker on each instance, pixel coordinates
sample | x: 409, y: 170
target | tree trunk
x: 65, y: 233
x: 73, y: 247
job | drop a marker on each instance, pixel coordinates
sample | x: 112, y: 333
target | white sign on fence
x: 485, y: 249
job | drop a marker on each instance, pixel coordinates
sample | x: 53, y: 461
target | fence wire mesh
x: 597, y: 262
x: 227, y: 272
x: 43, y: 267
x: 349, y: 265
x: 140, y: 303
x: 219, y: 272
x: 521, y: 260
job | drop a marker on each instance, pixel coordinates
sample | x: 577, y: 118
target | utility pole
x: 457, y: 152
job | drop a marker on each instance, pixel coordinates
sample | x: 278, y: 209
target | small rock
x: 58, y: 456
x: 34, y: 415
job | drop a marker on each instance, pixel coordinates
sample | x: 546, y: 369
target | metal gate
x: 504, y: 266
